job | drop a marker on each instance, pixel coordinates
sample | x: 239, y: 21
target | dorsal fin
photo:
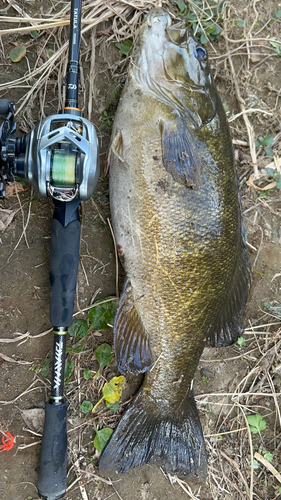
x: 228, y: 326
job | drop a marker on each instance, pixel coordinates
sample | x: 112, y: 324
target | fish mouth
x: 159, y: 17
x: 171, y: 65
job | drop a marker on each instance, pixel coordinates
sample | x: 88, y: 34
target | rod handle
x: 64, y: 260
x: 52, y: 480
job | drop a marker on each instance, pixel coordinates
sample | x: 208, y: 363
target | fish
x: 177, y: 221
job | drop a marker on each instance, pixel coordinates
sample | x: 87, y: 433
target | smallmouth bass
x: 177, y: 221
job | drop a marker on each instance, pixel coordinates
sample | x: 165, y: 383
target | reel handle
x: 4, y: 106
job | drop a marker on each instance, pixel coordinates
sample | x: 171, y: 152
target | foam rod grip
x: 64, y: 260
x: 52, y: 480
x: 4, y: 106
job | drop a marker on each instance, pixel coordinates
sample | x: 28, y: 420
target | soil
x: 25, y: 332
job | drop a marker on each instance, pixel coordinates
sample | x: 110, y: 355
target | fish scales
x: 177, y: 222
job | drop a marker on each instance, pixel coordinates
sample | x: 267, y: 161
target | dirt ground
x: 230, y: 383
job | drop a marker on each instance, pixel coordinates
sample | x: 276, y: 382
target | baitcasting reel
x: 59, y: 158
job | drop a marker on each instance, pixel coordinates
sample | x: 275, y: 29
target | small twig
x: 115, y: 490
x: 11, y: 360
x: 25, y: 336
x: 236, y: 466
x: 22, y: 234
x: 251, y: 110
x: 242, y: 106
x: 24, y: 446
x: 30, y: 389
x: 90, y: 307
x: 268, y: 465
x: 227, y: 432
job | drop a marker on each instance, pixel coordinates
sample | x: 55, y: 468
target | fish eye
x: 201, y: 53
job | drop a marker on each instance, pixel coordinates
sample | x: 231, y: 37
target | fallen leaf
x: 250, y: 182
x: 17, y: 54
x: 112, y: 390
x: 34, y: 418
x: 13, y: 188
x: 6, y: 217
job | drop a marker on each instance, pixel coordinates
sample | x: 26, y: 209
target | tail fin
x: 172, y: 440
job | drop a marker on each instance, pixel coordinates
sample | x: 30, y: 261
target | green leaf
x: 256, y: 464
x: 21, y: 181
x: 17, y: 53
x: 269, y: 151
x: 240, y: 22
x: 102, y: 126
x: 181, y: 6
x: 278, y: 13
x: 69, y: 367
x: 75, y: 348
x: 34, y: 34
x: 270, y: 171
x: 213, y: 30
x: 86, y: 406
x: 102, y: 437
x: 46, y: 367
x: 191, y: 17
x: 279, y: 490
x: 268, y: 140
x: 87, y: 374
x: 256, y: 423
x: 78, y: 328
x: 241, y: 341
x: 274, y: 42
x: 268, y: 456
x: 112, y: 407
x: 101, y: 314
x: 104, y: 354
x: 278, y: 184
x: 125, y: 47
x: 49, y: 53
x: 203, y: 39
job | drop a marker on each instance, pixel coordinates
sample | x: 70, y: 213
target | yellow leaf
x: 112, y: 390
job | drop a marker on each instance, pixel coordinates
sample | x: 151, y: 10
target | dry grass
x: 238, y: 468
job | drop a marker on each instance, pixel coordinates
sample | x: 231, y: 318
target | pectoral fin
x: 180, y: 157
x: 131, y: 340
x: 117, y: 147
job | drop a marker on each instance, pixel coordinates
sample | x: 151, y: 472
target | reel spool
x: 63, y: 170
x: 61, y: 158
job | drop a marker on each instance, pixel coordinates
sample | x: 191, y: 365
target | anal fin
x: 131, y: 341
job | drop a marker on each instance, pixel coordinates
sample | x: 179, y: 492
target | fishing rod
x: 59, y: 158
